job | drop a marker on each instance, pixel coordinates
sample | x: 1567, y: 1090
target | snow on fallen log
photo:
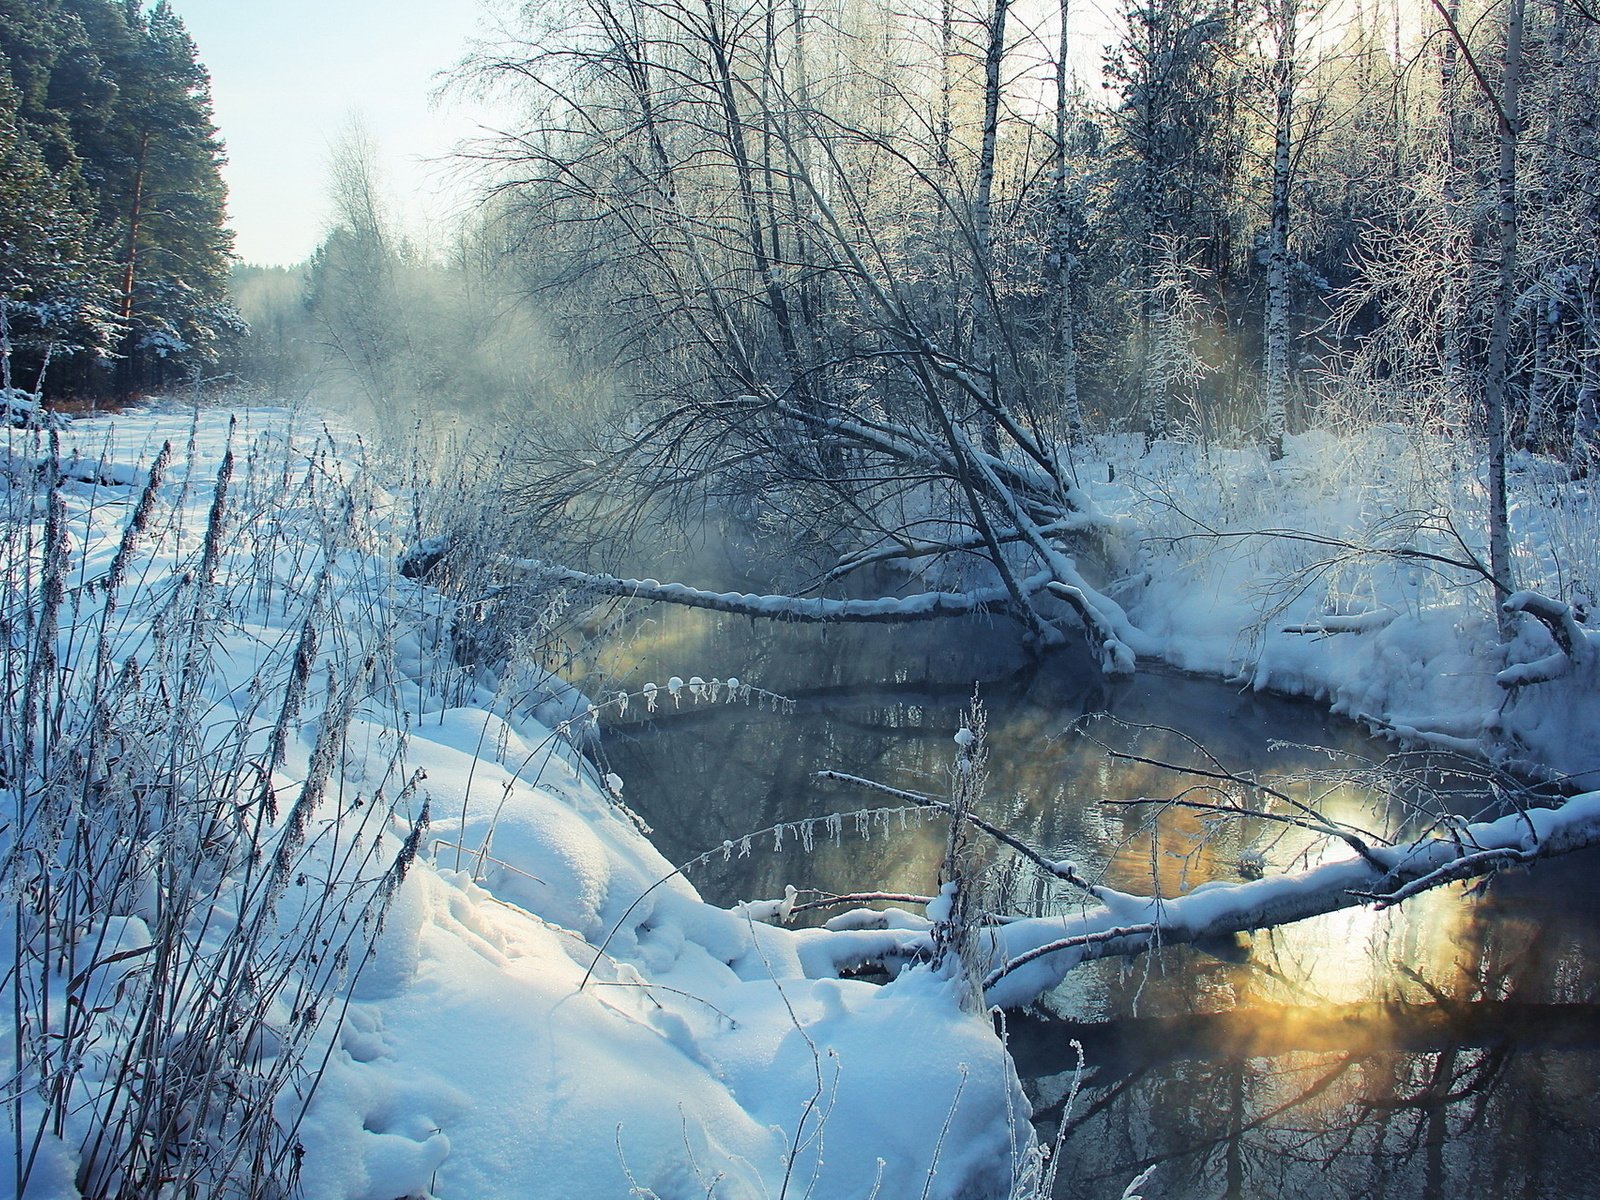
x: 1540, y: 670
x: 1575, y: 644
x: 923, y: 606
x: 1363, y: 622
x: 1032, y: 956
x: 1556, y: 617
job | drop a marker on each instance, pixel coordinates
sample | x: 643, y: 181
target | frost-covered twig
x: 1310, y: 817
x: 1065, y: 871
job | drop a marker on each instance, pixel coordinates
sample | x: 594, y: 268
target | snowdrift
x: 338, y: 904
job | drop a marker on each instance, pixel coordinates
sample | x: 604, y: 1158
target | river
x: 1447, y: 1048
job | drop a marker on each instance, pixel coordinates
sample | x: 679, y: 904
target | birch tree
x: 1066, y: 342
x: 1282, y: 17
x: 1506, y: 105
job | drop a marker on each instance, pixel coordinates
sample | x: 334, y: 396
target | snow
x: 922, y: 606
x: 1369, y: 605
x: 550, y: 1009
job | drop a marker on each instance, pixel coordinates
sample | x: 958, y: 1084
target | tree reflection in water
x: 1468, y: 1071
x: 1445, y: 1048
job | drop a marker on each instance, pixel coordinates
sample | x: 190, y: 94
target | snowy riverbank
x: 461, y: 1053
x: 1346, y: 573
x: 298, y: 897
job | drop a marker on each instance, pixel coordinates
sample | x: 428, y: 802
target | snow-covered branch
x: 1576, y: 646
x: 1331, y: 623
x: 1032, y: 956
x: 923, y: 606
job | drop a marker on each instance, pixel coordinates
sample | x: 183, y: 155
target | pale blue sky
x: 287, y: 75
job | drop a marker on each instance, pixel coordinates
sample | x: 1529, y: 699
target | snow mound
x: 527, y: 999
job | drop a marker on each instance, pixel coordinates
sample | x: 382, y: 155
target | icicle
x: 808, y: 836
x: 744, y: 846
x: 650, y: 690
x: 733, y: 689
x: 675, y: 688
x: 622, y: 703
x: 727, y: 850
x: 777, y: 838
x: 835, y: 827
x: 697, y: 688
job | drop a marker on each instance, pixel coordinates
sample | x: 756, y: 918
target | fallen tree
x: 1031, y: 956
x: 1011, y: 960
x: 913, y: 498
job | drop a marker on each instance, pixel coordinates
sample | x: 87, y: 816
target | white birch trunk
x: 1500, y: 333
x: 1277, y: 317
x: 1066, y: 338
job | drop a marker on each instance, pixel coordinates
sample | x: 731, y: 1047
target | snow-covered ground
x: 412, y: 924
x: 1364, y: 595
x: 545, y: 1008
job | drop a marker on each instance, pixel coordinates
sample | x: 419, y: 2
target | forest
x: 115, y: 276
x: 1125, y: 481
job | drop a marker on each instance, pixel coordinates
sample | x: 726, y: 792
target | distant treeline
x: 114, y: 254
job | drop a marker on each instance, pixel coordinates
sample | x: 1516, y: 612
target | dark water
x: 1448, y: 1048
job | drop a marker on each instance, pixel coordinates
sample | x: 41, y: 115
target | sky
x: 288, y: 76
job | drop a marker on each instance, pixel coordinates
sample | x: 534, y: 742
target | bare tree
x: 793, y: 367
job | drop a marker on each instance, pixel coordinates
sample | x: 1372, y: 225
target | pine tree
x: 1172, y: 135
x: 115, y: 105
x: 54, y: 298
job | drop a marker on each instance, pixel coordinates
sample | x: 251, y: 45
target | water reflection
x: 1467, y: 1070
x: 1447, y: 1048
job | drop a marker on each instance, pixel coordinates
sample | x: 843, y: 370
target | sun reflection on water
x: 1444, y: 1048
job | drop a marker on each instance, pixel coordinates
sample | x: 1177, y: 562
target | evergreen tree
x: 114, y: 103
x: 54, y: 298
x: 1173, y: 135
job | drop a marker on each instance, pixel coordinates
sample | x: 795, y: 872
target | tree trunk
x: 125, y: 368
x: 1586, y: 414
x: 1500, y: 332
x: 983, y: 313
x: 1066, y: 339
x: 1277, y: 322
x: 5, y: 344
x: 777, y: 298
x: 1452, y: 317
x: 1543, y: 196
